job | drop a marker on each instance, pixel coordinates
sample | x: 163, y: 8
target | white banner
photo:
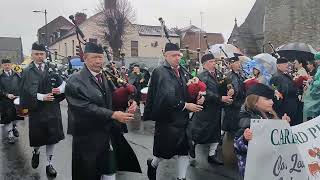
x: 280, y: 152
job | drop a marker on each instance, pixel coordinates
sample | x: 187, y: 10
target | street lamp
x: 46, y: 23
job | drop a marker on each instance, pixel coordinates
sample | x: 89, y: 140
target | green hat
x: 317, y: 56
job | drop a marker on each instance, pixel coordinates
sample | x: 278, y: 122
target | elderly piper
x: 99, y: 149
x: 168, y: 105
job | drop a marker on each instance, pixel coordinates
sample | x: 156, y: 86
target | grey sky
x: 17, y: 18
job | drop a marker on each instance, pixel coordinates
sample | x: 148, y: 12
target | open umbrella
x: 229, y: 49
x: 265, y: 63
x: 293, y: 51
x: 268, y: 62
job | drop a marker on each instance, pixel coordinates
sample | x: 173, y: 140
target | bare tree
x: 115, y: 23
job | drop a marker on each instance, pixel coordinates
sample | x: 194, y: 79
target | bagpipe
x: 196, y: 88
x: 123, y: 92
x: 55, y: 77
x: 274, y: 51
x: 120, y: 75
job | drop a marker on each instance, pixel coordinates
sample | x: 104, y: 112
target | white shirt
x: 8, y: 73
x: 62, y: 87
x: 42, y: 65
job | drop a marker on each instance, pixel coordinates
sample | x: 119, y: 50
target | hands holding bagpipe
x: 122, y: 99
x: 128, y: 116
x: 197, y: 92
x: 228, y: 99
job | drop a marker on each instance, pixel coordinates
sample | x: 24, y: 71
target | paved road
x: 16, y: 159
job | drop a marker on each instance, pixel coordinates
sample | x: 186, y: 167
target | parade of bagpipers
x: 160, y: 90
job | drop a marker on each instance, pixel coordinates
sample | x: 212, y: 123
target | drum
x: 19, y: 110
x: 144, y: 94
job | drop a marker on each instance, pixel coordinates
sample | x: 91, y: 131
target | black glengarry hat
x: 38, y: 47
x: 282, y: 60
x: 235, y: 58
x: 4, y: 61
x: 171, y: 47
x: 207, y: 57
x: 261, y: 90
x: 93, y: 48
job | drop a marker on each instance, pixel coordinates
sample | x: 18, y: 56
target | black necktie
x: 40, y: 67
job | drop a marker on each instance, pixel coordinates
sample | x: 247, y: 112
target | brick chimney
x: 110, y: 4
x: 80, y: 17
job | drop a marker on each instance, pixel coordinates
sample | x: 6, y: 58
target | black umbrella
x: 293, y: 51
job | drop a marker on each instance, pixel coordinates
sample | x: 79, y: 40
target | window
x: 93, y: 40
x: 155, y: 44
x: 134, y: 49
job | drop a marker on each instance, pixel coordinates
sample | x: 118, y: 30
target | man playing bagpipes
x: 9, y: 90
x: 99, y: 149
x: 238, y: 94
x: 41, y: 92
x: 287, y: 98
x: 206, y: 124
x: 168, y: 103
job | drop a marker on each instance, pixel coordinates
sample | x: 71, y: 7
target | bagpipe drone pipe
x: 196, y: 88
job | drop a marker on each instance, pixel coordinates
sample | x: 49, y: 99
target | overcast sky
x: 18, y: 20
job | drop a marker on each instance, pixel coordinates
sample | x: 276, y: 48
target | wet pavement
x: 15, y: 160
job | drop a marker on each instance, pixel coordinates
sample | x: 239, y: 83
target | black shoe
x: 152, y: 171
x: 35, y: 160
x: 11, y: 140
x: 192, y: 150
x: 181, y: 179
x: 51, y: 172
x: 15, y: 132
x: 214, y: 160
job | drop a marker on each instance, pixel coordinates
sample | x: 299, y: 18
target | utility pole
x: 201, y: 14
